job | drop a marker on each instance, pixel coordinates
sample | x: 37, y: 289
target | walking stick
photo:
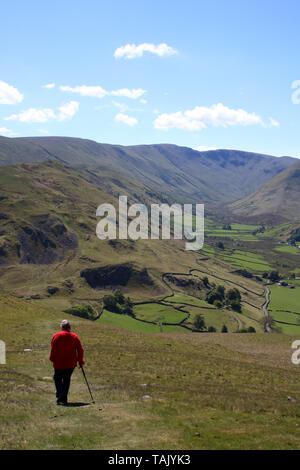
x: 81, y: 367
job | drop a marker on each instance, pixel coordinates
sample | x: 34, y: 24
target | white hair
x: 65, y: 325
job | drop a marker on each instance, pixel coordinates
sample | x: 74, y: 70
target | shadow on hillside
x: 76, y: 404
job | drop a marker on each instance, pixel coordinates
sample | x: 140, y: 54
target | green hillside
x: 155, y: 391
x: 49, y: 252
x: 278, y: 197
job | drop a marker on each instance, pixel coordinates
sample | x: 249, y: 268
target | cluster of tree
x: 199, y: 324
x: 219, y: 297
x: 294, y: 236
x: 118, y: 303
x: 244, y: 273
x: 227, y: 227
x: 250, y: 329
x: 273, y: 276
x: 220, y: 245
x: 259, y: 230
x: 83, y: 311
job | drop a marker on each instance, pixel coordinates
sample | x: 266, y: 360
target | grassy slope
x: 208, y: 391
x: 33, y: 190
x: 279, y: 196
x: 50, y: 188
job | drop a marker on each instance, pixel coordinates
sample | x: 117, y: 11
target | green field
x: 284, y: 298
x: 285, y: 307
x: 187, y: 299
x: 238, y: 232
x: 239, y: 259
x: 293, y: 250
x: 248, y: 261
x: 129, y: 323
x: 158, y: 313
x: 216, y: 318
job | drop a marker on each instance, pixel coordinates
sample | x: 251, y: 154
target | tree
x: 221, y: 290
x: 233, y: 294
x: 294, y: 236
x: 236, y: 306
x: 110, y: 303
x: 216, y: 294
x: 119, y: 296
x: 199, y: 322
x: 220, y: 245
x: 251, y: 329
x: 205, y: 281
x: 274, y: 276
x: 224, y: 329
x: 127, y: 307
x: 83, y: 311
x: 233, y: 298
x: 218, y: 303
x: 211, y: 329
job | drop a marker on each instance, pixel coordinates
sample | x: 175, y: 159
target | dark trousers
x: 62, y: 379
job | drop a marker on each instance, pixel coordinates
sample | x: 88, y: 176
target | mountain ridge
x: 214, y: 177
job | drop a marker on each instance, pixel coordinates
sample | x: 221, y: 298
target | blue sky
x: 214, y: 74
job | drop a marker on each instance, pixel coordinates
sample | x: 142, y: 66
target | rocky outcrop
x: 45, y: 241
x: 116, y: 275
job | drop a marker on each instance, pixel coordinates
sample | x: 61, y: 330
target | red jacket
x: 66, y: 350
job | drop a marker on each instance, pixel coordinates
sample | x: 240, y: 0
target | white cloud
x: 67, y: 111
x: 49, y: 86
x: 7, y: 132
x: 130, y: 121
x: 43, y: 131
x: 123, y: 107
x: 9, y: 94
x: 143, y: 101
x: 204, y: 148
x: 99, y: 92
x: 132, y: 51
x: 32, y: 115
x: 274, y: 122
x: 200, y: 117
x: 134, y: 93
x: 83, y: 90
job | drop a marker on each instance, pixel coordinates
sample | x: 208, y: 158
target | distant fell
x: 213, y: 177
x: 280, y: 196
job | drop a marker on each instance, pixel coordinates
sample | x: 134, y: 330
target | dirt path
x: 265, y: 310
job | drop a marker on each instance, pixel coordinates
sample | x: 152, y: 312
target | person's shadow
x: 76, y: 404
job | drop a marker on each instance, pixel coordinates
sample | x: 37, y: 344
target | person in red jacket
x: 66, y: 352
